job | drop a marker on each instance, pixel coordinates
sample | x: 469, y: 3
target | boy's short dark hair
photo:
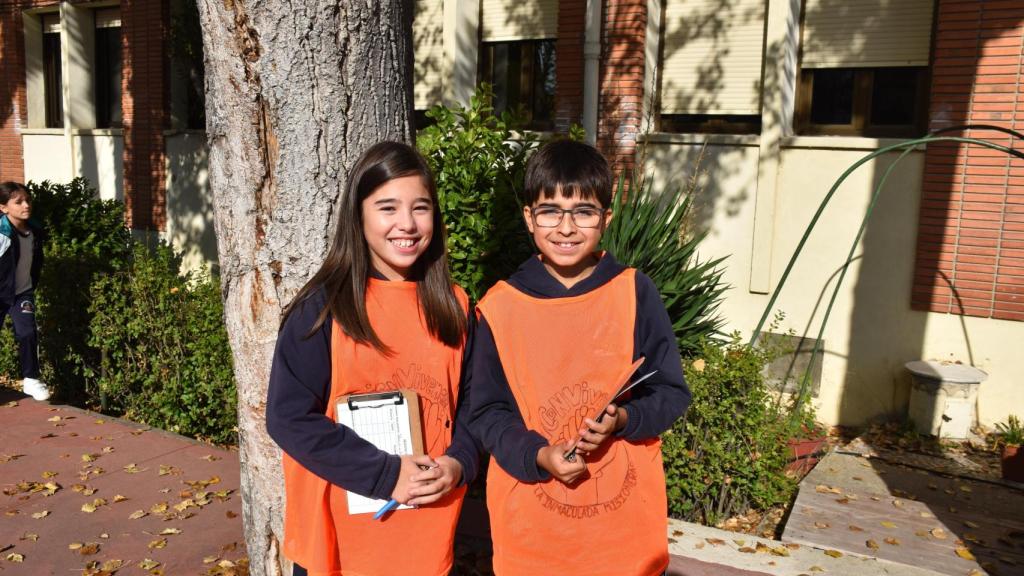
x: 8, y: 189
x: 568, y: 168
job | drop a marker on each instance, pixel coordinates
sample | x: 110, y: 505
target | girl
x: 380, y: 314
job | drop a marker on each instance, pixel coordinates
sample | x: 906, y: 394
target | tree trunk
x: 295, y: 91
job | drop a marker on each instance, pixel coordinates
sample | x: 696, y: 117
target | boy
x: 21, y: 259
x: 549, y: 344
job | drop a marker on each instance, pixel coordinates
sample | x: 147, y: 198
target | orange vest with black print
x: 319, y: 533
x: 561, y: 356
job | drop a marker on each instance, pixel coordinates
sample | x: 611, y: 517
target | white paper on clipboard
x: 388, y: 420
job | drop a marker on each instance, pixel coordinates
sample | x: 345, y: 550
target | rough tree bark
x: 295, y: 92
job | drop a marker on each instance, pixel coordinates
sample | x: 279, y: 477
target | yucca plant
x: 649, y: 232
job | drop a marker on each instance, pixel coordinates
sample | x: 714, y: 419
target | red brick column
x: 970, y: 251
x: 145, y: 28
x: 13, y: 106
x: 572, y: 21
x: 620, y: 107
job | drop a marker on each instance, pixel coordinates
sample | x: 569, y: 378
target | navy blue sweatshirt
x: 653, y: 407
x: 300, y: 386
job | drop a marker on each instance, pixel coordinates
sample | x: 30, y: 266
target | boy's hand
x: 436, y: 478
x: 595, y: 433
x: 551, y: 459
x: 405, y: 482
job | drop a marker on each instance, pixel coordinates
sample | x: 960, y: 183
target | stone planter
x: 943, y: 398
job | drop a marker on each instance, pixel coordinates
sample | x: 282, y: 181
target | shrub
x: 479, y: 164
x: 87, y: 238
x: 729, y: 452
x: 165, y: 354
x: 647, y: 233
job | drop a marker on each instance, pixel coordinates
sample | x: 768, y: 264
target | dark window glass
x: 108, y: 77
x: 52, y: 84
x: 832, y: 98
x: 523, y: 77
x: 893, y: 97
x: 711, y: 123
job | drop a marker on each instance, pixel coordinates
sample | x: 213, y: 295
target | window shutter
x: 712, y: 57
x: 108, y: 18
x: 506, y: 20
x: 51, y: 23
x: 866, y: 33
x: 428, y: 47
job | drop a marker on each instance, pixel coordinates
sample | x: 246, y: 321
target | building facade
x: 767, y: 101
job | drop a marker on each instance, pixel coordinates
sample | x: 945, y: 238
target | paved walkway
x: 81, y: 490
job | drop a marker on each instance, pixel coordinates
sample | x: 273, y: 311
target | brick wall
x: 13, y: 106
x: 970, y: 251
x: 572, y: 21
x: 144, y: 28
x: 620, y: 106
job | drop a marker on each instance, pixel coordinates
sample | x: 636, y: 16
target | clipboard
x: 388, y: 420
x: 622, y: 384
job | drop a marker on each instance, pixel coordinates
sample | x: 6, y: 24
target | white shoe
x: 35, y: 389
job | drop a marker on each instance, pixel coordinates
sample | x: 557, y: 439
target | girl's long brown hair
x: 346, y: 270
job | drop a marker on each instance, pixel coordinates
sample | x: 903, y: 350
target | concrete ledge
x: 719, y: 547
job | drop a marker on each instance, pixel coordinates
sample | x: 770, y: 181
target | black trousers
x: 23, y: 315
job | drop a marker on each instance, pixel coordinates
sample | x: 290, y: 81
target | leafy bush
x: 729, y: 452
x: 647, y: 233
x: 479, y: 164
x: 165, y: 354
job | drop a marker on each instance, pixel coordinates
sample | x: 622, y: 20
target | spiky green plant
x: 649, y: 232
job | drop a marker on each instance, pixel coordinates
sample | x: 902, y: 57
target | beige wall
x: 871, y: 331
x: 47, y: 154
x: 189, y: 205
x: 99, y: 158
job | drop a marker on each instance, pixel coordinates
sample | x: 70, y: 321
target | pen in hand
x: 392, y: 503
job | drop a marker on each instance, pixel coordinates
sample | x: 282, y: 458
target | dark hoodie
x: 300, y: 385
x: 10, y: 252
x: 652, y: 409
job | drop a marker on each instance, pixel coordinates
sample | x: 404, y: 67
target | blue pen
x: 385, y: 509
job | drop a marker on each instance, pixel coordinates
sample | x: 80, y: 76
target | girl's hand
x: 437, y: 477
x: 551, y: 458
x: 405, y: 480
x: 596, y: 433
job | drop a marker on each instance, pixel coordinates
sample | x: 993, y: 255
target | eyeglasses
x: 551, y: 217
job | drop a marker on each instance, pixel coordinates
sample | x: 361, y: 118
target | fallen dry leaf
x: 158, y: 543
x: 888, y: 524
x: 41, y: 514
x: 89, y: 549
x: 892, y: 541
x: 834, y: 553
x: 89, y: 457
x: 137, y: 514
x: 48, y: 474
x: 970, y: 524
x: 210, y: 559
x: 821, y: 525
x: 938, y: 533
x: 855, y: 528
x: 167, y: 531
x: 872, y: 544
x: 15, y: 557
x: 715, y: 541
x: 119, y: 498
x: 816, y: 568
x: 29, y: 536
x: 159, y: 508
x: 747, y: 550
x: 965, y: 553
x: 75, y: 545
x: 148, y: 564
x: 53, y: 419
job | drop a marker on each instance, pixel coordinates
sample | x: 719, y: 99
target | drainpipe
x: 591, y: 56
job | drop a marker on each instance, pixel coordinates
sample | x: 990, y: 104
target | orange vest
x: 319, y: 533
x: 560, y: 356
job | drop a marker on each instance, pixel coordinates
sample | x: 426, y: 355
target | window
x: 108, y: 68
x: 523, y: 76
x: 876, y: 102
x: 517, y: 57
x: 710, y: 55
x: 53, y: 92
x: 185, y: 45
x: 864, y: 68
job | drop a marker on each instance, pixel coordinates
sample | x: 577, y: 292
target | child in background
x: 382, y: 313
x: 548, y: 346
x: 21, y: 259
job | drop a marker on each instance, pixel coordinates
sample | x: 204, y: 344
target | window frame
x: 527, y: 78
x: 860, y: 118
